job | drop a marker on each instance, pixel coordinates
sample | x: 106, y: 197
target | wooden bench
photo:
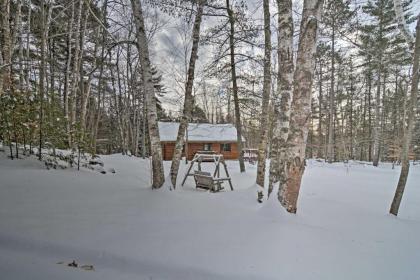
x: 204, y: 180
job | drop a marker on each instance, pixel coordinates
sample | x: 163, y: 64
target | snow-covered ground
x: 116, y: 223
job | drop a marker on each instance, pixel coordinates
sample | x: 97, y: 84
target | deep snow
x: 128, y: 231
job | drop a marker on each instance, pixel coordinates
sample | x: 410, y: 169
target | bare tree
x: 6, y: 57
x: 155, y: 147
x: 188, y: 100
x: 75, y: 76
x: 412, y: 109
x: 262, y: 146
x: 235, y: 86
x: 283, y: 99
x: 291, y: 179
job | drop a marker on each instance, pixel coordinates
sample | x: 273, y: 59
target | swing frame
x: 217, y: 159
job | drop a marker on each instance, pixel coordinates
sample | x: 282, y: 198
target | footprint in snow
x: 74, y: 264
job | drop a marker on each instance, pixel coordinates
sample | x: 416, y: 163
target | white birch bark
x: 283, y: 99
x: 301, y: 106
x: 262, y: 146
x: 408, y: 135
x: 155, y: 146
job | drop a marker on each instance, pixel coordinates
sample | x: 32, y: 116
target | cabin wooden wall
x: 193, y: 148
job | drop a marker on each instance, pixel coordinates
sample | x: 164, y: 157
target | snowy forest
x: 280, y: 135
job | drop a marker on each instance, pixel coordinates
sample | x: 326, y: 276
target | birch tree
x: 155, y: 147
x: 283, y: 99
x: 290, y: 180
x: 412, y: 108
x: 262, y: 146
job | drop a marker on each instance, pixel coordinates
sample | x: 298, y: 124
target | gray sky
x: 170, y: 48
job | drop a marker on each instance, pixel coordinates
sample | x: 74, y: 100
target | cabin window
x: 207, y: 147
x: 225, y: 147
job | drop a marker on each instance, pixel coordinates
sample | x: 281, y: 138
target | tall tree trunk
x: 19, y: 33
x: 143, y: 123
x: 157, y: 165
x: 283, y: 99
x: 330, y: 147
x: 101, y: 86
x: 189, y: 99
x: 262, y: 146
x: 351, y: 110
x: 42, y: 76
x: 75, y: 76
x: 28, y: 52
x: 238, y: 123
x: 301, y: 106
x: 377, y: 125
x: 87, y: 84
x: 369, y: 107
x: 320, y: 137
x: 118, y: 103
x: 5, y: 69
x: 362, y: 146
x: 412, y: 109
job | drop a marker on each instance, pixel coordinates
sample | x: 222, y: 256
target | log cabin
x: 219, y: 138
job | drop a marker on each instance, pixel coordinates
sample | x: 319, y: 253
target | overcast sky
x: 170, y: 55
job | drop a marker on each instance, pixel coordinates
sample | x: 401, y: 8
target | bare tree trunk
x: 301, y: 106
x: 6, y: 66
x: 330, y: 147
x: 101, y: 85
x: 18, y: 34
x: 351, y: 140
x: 75, y: 71
x: 377, y: 127
x: 42, y: 76
x: 28, y: 53
x: 262, y: 146
x: 157, y: 165
x: 87, y: 84
x: 283, y: 99
x: 235, y: 88
x: 188, y: 101
x: 320, y: 138
x: 118, y: 103
x: 412, y: 108
x: 67, y: 72
x: 143, y: 122
x: 370, y: 115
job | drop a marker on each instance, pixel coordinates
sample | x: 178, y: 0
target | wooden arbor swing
x: 204, y: 179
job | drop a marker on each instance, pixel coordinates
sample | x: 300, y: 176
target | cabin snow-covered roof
x: 199, y: 132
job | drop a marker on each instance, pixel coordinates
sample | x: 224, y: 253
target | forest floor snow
x: 116, y: 223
